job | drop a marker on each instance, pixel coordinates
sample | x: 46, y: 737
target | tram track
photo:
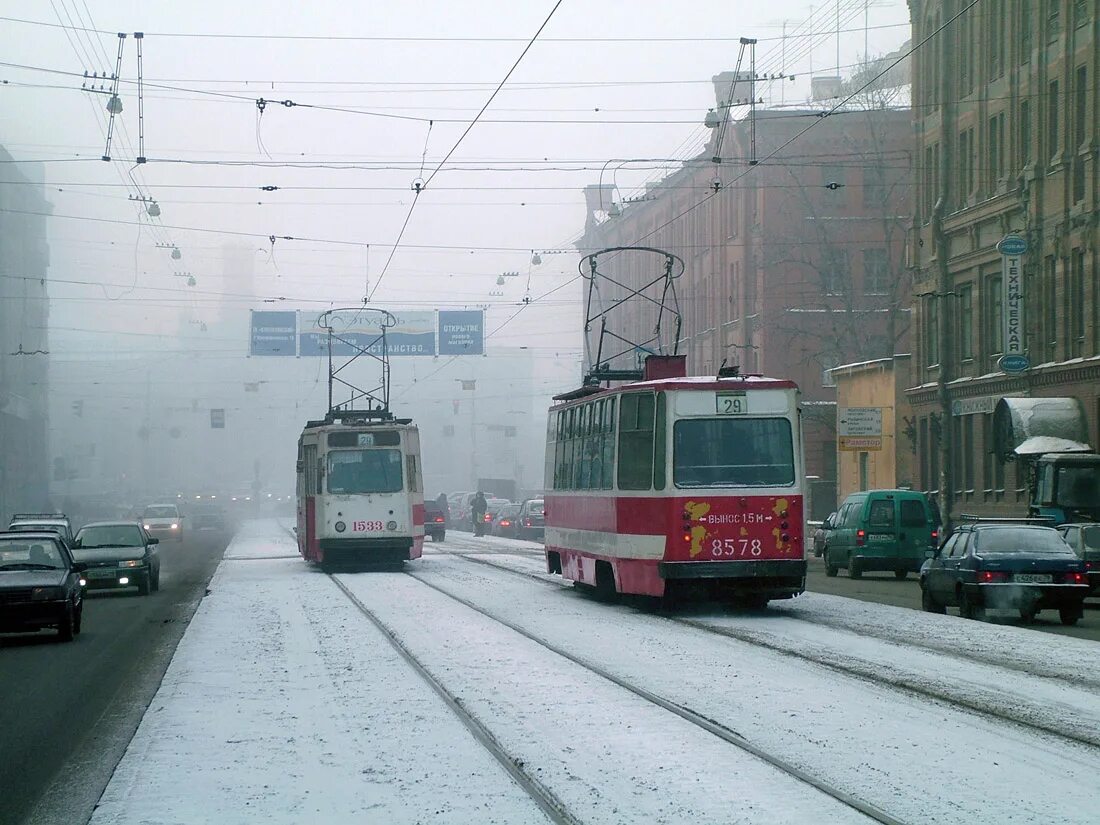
x: 685, y: 713
x: 865, y: 671
x: 546, y: 800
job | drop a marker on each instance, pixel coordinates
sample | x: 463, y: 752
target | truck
x: 1049, y: 438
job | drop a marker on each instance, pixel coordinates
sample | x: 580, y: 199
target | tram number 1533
x: 736, y: 547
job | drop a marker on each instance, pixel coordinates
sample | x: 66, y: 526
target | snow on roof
x: 1038, y: 444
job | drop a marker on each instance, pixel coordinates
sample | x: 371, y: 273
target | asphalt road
x: 884, y: 588
x: 67, y: 711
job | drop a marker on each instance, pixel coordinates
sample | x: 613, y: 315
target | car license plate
x: 102, y: 574
x: 1032, y: 578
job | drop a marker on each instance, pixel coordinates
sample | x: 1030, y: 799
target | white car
x: 163, y: 521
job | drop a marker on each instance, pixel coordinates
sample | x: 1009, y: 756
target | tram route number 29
x: 366, y: 526
x: 736, y: 547
x: 732, y: 403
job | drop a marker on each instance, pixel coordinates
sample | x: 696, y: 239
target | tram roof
x: 687, y: 383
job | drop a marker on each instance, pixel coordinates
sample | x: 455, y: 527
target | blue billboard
x: 461, y: 332
x: 273, y: 333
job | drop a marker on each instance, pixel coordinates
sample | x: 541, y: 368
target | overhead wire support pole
x: 139, y: 37
x: 751, y: 43
x: 114, y: 105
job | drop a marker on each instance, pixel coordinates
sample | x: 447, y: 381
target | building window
x: 1080, y: 12
x: 1025, y: 133
x: 994, y: 14
x: 1077, y: 303
x: 966, y: 323
x: 829, y: 362
x: 1026, y: 22
x: 874, y: 186
x: 875, y: 272
x: 996, y: 151
x: 932, y: 330
x: 836, y: 271
x: 1050, y: 307
x: 1080, y: 109
x: 1054, y: 19
x: 1052, y: 121
x: 966, y: 55
x: 924, y: 448
x: 994, y: 315
x: 966, y: 166
x: 967, y: 449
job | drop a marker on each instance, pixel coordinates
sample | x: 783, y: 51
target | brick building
x: 793, y: 265
x: 1006, y: 106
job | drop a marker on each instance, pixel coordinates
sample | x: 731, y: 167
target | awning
x: 1032, y: 426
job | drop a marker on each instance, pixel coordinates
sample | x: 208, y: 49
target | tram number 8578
x: 736, y: 547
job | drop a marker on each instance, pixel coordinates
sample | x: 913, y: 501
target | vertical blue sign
x: 274, y: 333
x: 461, y: 332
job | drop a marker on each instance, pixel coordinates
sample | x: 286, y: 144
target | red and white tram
x: 360, y: 494
x: 678, y: 485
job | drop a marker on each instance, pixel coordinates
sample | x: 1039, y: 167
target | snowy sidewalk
x: 284, y: 705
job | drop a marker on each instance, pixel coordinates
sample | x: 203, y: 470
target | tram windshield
x: 364, y: 471
x: 733, y: 452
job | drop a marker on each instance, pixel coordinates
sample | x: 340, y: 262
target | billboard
x: 273, y: 333
x: 414, y: 334
x: 461, y: 332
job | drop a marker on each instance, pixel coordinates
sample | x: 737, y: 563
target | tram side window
x: 636, y: 441
x: 309, y: 470
x: 607, y: 446
x: 659, y: 445
x: 413, y: 475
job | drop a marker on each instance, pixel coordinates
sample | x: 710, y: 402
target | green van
x: 882, y: 530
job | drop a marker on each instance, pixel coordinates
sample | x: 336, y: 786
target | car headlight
x: 175, y: 526
x: 391, y: 525
x: 131, y: 563
x: 148, y: 527
x: 340, y: 527
x: 41, y: 594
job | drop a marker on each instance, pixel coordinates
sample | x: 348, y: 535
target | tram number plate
x: 366, y: 526
x: 732, y: 403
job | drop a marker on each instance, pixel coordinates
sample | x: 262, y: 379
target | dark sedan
x: 118, y: 554
x: 506, y: 522
x: 1017, y: 566
x: 1084, y: 539
x: 39, y: 585
x: 532, y: 520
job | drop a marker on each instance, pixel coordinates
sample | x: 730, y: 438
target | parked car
x: 1085, y: 541
x: 532, y: 520
x: 163, y: 520
x: 435, y: 521
x: 1005, y: 565
x: 821, y: 534
x: 40, y: 585
x: 118, y: 554
x: 881, y: 530
x: 506, y: 522
x: 37, y: 522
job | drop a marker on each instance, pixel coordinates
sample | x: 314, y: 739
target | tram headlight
x: 391, y: 525
x: 340, y: 527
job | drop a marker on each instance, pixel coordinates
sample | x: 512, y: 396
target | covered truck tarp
x: 1025, y: 427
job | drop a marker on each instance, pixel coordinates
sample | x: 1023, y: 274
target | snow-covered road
x: 286, y: 703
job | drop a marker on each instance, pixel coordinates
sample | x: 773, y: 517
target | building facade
x: 1005, y: 115
x: 24, y: 340
x: 869, y: 460
x: 793, y: 250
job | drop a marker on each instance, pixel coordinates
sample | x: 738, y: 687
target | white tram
x: 360, y: 492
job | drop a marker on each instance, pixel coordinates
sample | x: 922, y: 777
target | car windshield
x: 30, y: 555
x: 37, y: 527
x: 1078, y: 486
x: 733, y: 452
x: 1022, y: 540
x: 508, y: 512
x: 161, y: 512
x: 110, y: 535
x: 536, y: 507
x: 1091, y: 536
x: 364, y: 471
